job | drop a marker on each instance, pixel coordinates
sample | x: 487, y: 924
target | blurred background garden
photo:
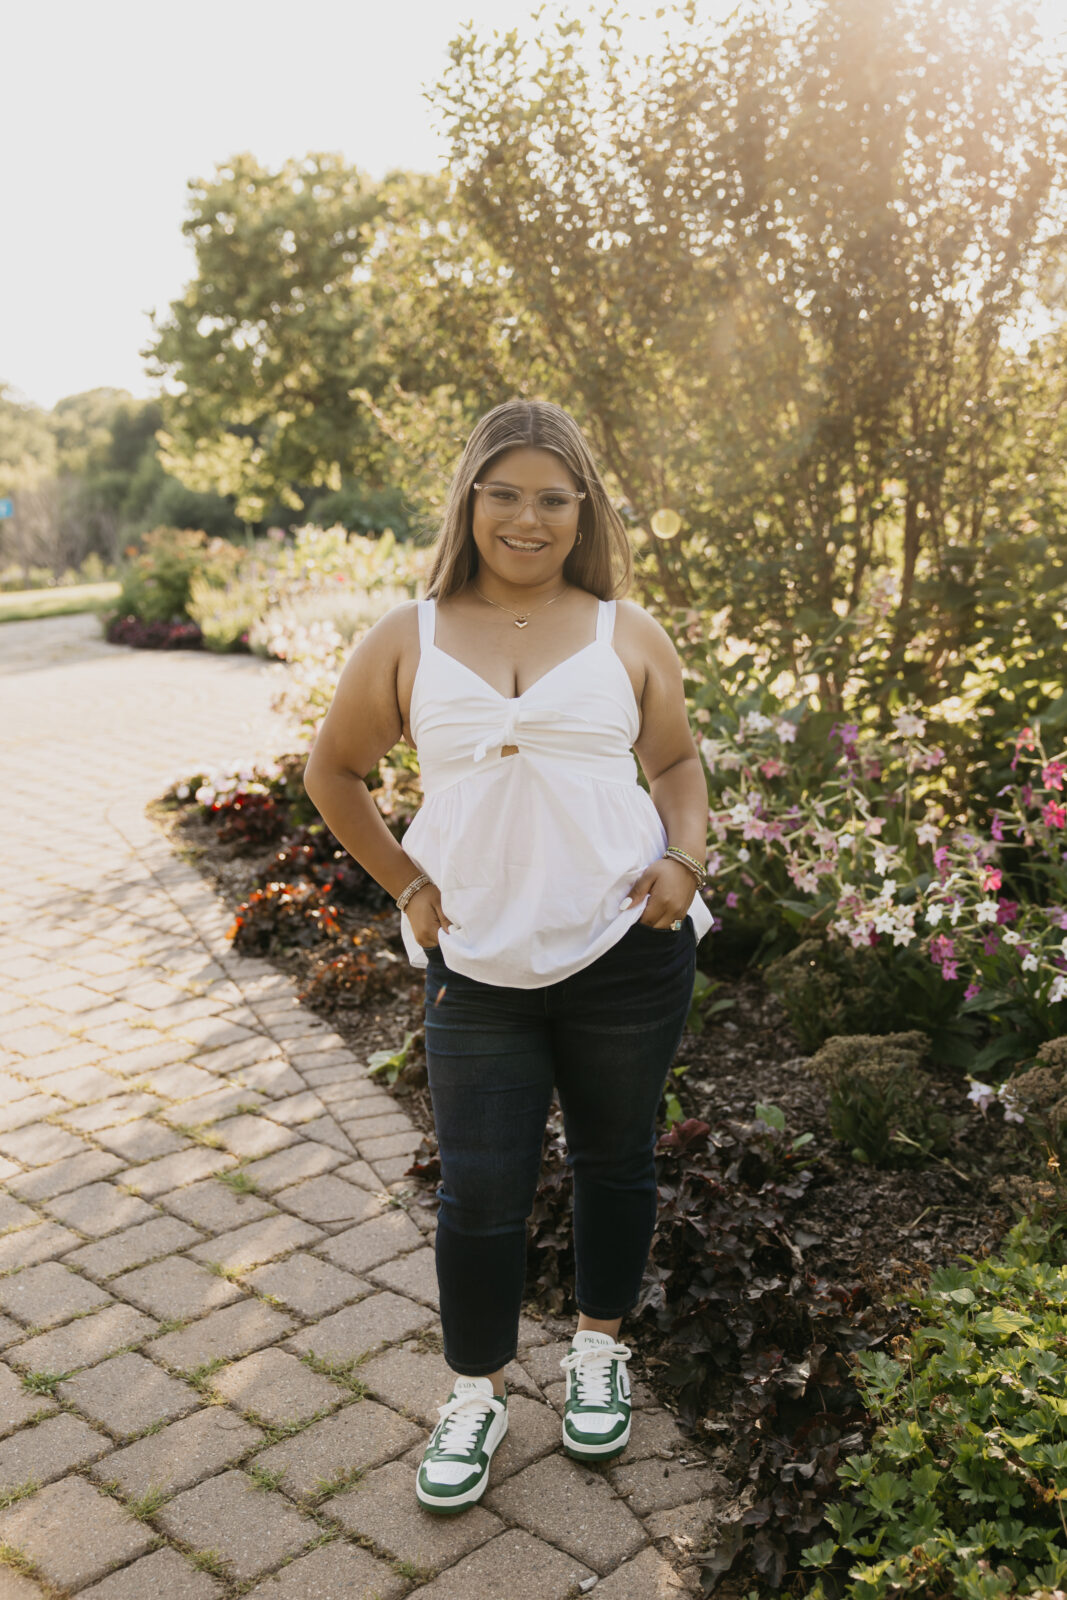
x: 801, y: 275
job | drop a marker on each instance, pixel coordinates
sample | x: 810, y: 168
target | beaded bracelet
x: 677, y: 854
x: 413, y: 887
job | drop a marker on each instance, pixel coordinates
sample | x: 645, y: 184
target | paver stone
x: 363, y: 1435
x: 383, y: 1507
x: 164, y: 1575
x: 128, y: 1394
x: 251, y: 1529
x: 336, y: 1571
x: 182, y: 1454
x: 73, y: 1533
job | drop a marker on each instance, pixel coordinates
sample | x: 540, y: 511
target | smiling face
x: 540, y: 564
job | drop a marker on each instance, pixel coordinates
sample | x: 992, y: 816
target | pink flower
x: 874, y: 826
x: 991, y: 879
x: 772, y: 767
x: 949, y: 971
x: 1009, y: 911
x: 731, y: 899
x: 941, y: 861
x: 971, y: 990
x: 1052, y: 775
x: 997, y: 830
x: 1023, y: 741
x: 941, y: 948
x: 991, y: 943
x: 873, y: 769
x: 1026, y: 794
x: 1054, y: 815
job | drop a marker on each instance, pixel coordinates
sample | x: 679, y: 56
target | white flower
x: 205, y: 796
x: 740, y: 814
x: 885, y: 858
x: 1030, y: 963
x: 786, y: 731
x: 744, y: 855
x: 1058, y: 991
x: 986, y: 911
x: 1009, y: 936
x: 927, y: 833
x: 1010, y: 1104
x: 903, y: 935
x: 886, y: 922
x: 1063, y: 947
x: 934, y: 915
x: 909, y: 726
x: 983, y: 1094
x: 754, y: 722
x: 954, y: 912
x: 182, y: 793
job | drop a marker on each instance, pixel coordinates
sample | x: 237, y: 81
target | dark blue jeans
x: 605, y: 1038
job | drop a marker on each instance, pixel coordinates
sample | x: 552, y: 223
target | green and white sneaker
x: 455, y: 1464
x: 596, y: 1414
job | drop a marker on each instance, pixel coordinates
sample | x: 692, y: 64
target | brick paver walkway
x: 218, y: 1312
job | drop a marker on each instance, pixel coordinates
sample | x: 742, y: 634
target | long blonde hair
x: 602, y: 563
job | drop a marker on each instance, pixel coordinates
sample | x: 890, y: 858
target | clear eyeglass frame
x: 549, y: 514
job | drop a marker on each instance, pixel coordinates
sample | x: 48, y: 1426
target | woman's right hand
x: 426, y: 916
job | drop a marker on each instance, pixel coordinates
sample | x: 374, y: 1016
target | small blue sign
x: 7, y: 509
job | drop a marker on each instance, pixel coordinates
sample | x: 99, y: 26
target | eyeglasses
x: 554, y: 506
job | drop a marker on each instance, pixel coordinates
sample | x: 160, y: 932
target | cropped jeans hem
x: 478, y: 1369
x: 604, y: 1316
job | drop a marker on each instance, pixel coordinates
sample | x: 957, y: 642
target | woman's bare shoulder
x: 640, y: 628
x: 393, y: 632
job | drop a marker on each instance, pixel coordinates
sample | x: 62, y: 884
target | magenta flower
x: 941, y: 948
x: 971, y: 990
x: 1054, y: 815
x: 991, y: 943
x: 1052, y: 775
x: 1026, y: 794
x: 731, y: 899
x: 941, y: 861
x: 1023, y: 741
x: 1009, y: 911
x: 997, y: 830
x: 949, y: 971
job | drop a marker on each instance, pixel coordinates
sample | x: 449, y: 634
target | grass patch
x: 148, y: 1504
x: 42, y: 1382
x: 210, y: 1561
x: 198, y: 1376
x: 199, y: 1135
x: 326, y: 1487
x: 239, y: 1181
x: 342, y: 1372
x: 26, y: 605
x: 264, y: 1477
x: 10, y: 1496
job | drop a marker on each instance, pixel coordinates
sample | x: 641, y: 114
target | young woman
x: 553, y: 902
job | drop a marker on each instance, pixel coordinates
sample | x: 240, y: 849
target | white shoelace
x: 465, y: 1415
x: 592, y: 1371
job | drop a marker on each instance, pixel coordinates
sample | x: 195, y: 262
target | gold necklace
x: 522, y: 617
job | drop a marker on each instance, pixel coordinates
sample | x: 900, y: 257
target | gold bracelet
x: 675, y: 853
x: 413, y: 887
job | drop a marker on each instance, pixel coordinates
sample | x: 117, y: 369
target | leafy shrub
x: 879, y: 1100
x: 281, y: 915
x: 826, y: 990
x: 153, y: 635
x: 156, y: 585
x: 367, y: 972
x: 961, y: 1492
x: 1040, y: 1096
x: 227, y: 612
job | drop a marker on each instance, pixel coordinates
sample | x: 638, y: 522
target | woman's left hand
x: 670, y: 888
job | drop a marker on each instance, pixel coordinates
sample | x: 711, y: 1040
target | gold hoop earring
x: 579, y: 538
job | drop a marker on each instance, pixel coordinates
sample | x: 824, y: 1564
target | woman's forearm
x: 344, y: 803
x: 680, y: 795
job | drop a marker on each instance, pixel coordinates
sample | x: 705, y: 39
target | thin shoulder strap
x: 605, y: 620
x: 427, y: 623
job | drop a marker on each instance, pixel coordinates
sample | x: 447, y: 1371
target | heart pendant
x: 520, y: 622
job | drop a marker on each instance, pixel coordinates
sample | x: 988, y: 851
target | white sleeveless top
x: 532, y: 852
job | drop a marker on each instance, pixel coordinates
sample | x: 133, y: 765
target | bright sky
x: 110, y: 108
